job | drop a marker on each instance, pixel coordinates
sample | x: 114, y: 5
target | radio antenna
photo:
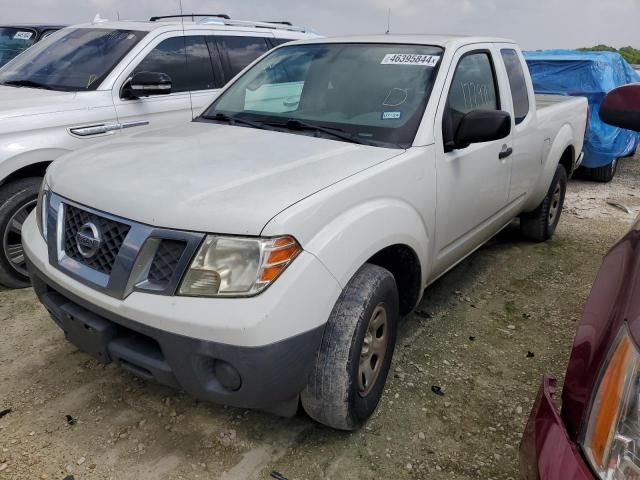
x: 186, y: 59
x: 388, y: 22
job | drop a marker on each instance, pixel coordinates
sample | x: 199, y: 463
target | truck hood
x: 207, y: 177
x: 21, y: 101
x: 614, y: 300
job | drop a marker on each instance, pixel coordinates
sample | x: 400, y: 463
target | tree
x: 630, y: 54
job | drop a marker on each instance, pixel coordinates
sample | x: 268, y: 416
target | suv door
x: 192, y: 71
x: 472, y: 182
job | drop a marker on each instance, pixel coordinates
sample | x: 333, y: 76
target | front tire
x: 540, y: 225
x: 350, y: 369
x: 17, y: 200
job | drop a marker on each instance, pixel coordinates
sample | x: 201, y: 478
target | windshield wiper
x: 27, y: 83
x: 232, y: 119
x: 295, y: 124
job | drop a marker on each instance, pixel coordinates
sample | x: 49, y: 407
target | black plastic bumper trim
x: 272, y: 376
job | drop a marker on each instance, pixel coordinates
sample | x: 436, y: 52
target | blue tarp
x: 591, y: 75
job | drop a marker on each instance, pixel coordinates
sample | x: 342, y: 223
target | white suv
x: 87, y: 83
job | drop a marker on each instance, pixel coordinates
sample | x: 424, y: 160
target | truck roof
x: 419, y: 39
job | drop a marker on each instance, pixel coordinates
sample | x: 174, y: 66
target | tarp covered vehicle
x: 592, y: 75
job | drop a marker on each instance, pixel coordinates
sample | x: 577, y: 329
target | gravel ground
x: 485, y: 334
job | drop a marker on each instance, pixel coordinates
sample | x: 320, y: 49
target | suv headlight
x: 612, y: 440
x: 237, y: 266
x: 41, y: 209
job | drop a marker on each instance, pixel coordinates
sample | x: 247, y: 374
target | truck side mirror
x: 621, y: 107
x: 143, y: 84
x: 481, y: 126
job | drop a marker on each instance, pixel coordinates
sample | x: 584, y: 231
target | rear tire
x: 350, y: 369
x: 604, y: 174
x: 540, y: 225
x: 17, y: 200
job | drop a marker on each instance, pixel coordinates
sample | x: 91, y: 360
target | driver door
x: 192, y: 72
x: 472, y: 182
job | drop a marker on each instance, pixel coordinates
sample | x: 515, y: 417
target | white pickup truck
x: 265, y: 252
x: 88, y: 83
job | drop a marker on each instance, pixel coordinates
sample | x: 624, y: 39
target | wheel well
x: 567, y: 160
x: 33, y: 170
x: 404, y: 265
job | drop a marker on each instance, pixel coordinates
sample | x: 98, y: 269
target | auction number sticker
x: 410, y: 59
x: 23, y: 35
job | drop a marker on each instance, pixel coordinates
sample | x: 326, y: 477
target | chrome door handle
x: 505, y: 153
x: 102, y: 129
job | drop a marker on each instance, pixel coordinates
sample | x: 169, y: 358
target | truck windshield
x: 366, y: 93
x: 14, y: 41
x: 72, y: 60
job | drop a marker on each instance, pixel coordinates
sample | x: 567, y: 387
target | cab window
x: 473, y: 87
x: 518, y: 84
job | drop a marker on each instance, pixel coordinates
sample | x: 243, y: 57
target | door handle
x: 506, y: 152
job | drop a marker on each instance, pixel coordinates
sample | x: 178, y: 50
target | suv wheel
x: 17, y: 200
x: 350, y: 369
x: 540, y: 225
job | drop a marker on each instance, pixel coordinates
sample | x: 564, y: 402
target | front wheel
x: 17, y: 200
x: 350, y: 369
x: 540, y: 225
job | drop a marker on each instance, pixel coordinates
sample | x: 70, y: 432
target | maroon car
x: 597, y: 434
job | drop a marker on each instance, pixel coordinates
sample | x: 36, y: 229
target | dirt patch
x: 485, y: 334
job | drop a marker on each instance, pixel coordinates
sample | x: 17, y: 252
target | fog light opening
x: 228, y: 376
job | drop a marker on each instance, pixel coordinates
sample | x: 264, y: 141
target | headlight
x: 612, y: 441
x: 41, y: 209
x: 235, y: 266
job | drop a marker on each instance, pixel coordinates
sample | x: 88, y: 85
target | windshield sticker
x: 391, y: 115
x: 92, y: 78
x: 396, y: 97
x: 23, y: 35
x: 410, y: 59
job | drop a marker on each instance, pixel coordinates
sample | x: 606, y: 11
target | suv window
x: 241, y: 51
x: 280, y: 41
x: 518, y: 84
x: 77, y: 59
x: 473, y: 88
x: 188, y: 73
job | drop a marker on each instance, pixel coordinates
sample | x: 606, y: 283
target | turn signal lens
x: 612, y: 440
x: 41, y: 209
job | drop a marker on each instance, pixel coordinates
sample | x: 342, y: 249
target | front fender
x: 354, y: 236
x: 14, y: 158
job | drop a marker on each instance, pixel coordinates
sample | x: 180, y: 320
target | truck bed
x: 545, y: 101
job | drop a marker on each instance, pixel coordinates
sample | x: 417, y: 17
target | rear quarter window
x: 518, y: 84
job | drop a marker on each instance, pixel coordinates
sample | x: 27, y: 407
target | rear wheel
x: 540, y: 225
x: 351, y: 367
x: 17, y: 200
x: 604, y: 174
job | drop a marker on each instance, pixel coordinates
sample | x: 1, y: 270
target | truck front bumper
x: 546, y: 451
x: 188, y: 343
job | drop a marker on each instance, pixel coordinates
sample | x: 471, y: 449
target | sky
x: 535, y: 24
